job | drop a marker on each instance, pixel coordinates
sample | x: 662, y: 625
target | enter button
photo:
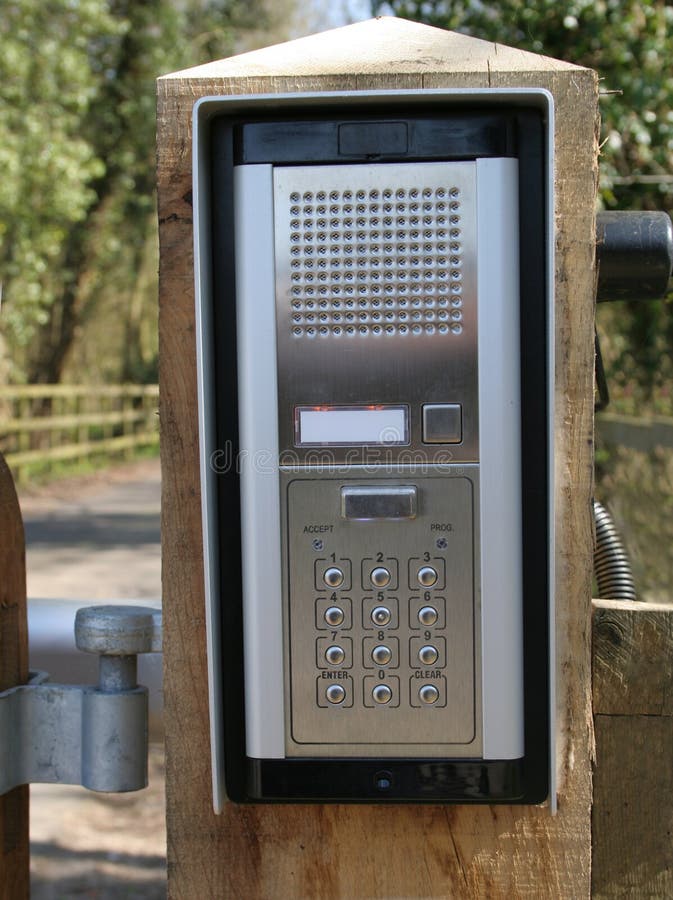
x: 442, y: 423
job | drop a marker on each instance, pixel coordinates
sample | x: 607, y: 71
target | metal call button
x: 380, y: 501
x: 428, y: 655
x: 427, y: 615
x: 380, y: 615
x: 442, y: 423
x: 428, y: 694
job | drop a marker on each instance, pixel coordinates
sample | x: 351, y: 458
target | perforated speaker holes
x: 376, y: 262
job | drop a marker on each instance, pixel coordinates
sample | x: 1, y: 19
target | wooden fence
x: 643, y: 433
x: 41, y: 425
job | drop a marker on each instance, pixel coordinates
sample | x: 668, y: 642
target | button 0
x: 334, y: 615
x: 442, y: 423
x: 335, y: 693
x: 380, y: 577
x: 335, y: 655
x: 427, y: 615
x: 382, y: 693
x: 333, y: 577
x: 427, y: 576
x: 428, y: 694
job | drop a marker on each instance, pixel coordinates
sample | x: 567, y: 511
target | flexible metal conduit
x: 611, y: 563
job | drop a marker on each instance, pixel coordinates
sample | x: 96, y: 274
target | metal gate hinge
x: 93, y: 735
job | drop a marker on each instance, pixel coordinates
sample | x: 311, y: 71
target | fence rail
x: 41, y: 425
x: 637, y: 433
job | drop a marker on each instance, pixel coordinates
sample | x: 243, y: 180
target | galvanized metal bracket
x: 93, y: 735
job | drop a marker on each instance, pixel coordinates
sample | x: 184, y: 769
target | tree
x: 630, y: 44
x: 77, y: 220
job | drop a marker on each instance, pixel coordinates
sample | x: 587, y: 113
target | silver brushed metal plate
x: 376, y: 294
x: 443, y: 535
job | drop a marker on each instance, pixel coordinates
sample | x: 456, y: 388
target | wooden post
x: 341, y: 851
x: 633, y: 786
x: 14, y: 848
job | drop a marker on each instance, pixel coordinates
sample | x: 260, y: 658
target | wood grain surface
x: 633, y: 781
x: 341, y: 851
x: 14, y: 849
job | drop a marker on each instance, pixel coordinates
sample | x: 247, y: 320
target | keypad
x: 381, y: 624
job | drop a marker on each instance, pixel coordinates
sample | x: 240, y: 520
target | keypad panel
x: 387, y: 611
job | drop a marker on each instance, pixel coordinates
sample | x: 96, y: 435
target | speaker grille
x: 376, y: 261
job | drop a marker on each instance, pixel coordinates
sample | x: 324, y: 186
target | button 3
x: 335, y: 693
x: 427, y: 576
x: 334, y: 577
x: 380, y: 577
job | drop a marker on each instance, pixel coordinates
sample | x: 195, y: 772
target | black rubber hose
x: 612, y: 567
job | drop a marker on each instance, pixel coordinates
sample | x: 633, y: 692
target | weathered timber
x: 14, y: 848
x: 633, y: 781
x: 345, y: 851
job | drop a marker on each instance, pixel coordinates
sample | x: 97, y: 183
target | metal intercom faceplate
x: 375, y: 269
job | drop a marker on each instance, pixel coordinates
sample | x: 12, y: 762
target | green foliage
x: 77, y: 197
x: 630, y: 44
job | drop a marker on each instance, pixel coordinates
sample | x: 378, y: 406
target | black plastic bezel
x: 314, y: 138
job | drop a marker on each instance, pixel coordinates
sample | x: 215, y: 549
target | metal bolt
x: 118, y: 634
x: 318, y: 544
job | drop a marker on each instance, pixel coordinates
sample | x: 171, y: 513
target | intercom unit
x: 374, y: 280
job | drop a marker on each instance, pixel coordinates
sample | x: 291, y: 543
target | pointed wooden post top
x: 382, y: 46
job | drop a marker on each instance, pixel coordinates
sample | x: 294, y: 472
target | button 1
x: 427, y: 576
x: 428, y: 694
x: 382, y: 655
x: 428, y: 655
x: 333, y: 577
x: 380, y: 615
x: 380, y: 577
x: 335, y: 655
x: 382, y: 693
x: 334, y: 615
x: 427, y: 615
x: 335, y: 693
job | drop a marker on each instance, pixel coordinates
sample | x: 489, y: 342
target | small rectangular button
x: 380, y: 501
x: 442, y: 423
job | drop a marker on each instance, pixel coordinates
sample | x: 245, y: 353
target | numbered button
x: 381, y: 616
x: 427, y: 576
x: 334, y: 616
x: 381, y: 655
x: 382, y: 694
x: 380, y: 577
x: 335, y: 655
x: 333, y: 577
x: 427, y: 616
x: 428, y: 655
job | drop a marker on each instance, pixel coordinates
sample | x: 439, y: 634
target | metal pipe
x: 612, y: 567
